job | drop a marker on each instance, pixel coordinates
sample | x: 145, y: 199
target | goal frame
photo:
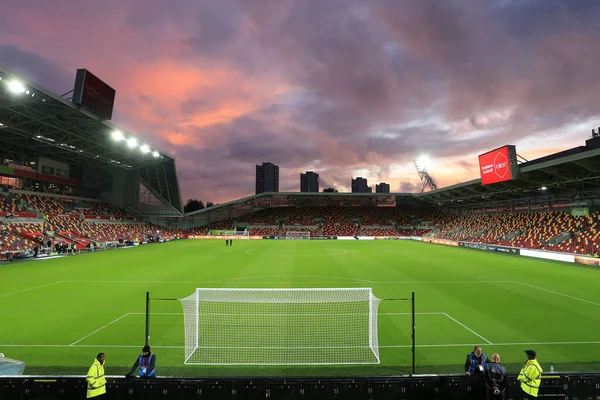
x: 412, y: 310
x: 372, y: 344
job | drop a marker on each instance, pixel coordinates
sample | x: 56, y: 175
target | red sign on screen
x: 495, y: 166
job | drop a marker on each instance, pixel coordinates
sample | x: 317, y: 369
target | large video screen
x: 93, y: 94
x: 498, y: 165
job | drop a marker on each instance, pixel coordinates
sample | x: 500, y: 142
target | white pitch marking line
x: 299, y: 282
x: 295, y: 276
x: 338, y: 252
x: 26, y: 290
x: 404, y: 346
x: 558, y: 293
x: 99, y: 329
x: 467, y: 328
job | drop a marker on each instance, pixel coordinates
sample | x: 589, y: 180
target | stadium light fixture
x: 543, y: 188
x: 424, y: 162
x: 155, y: 154
x: 16, y: 87
x: 145, y: 149
x: 117, y: 136
x: 132, y: 143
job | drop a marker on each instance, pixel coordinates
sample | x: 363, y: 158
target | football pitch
x: 57, y: 314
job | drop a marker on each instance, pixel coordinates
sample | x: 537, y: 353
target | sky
x: 345, y: 88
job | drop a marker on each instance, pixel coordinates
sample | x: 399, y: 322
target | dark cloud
x: 337, y: 86
x: 407, y: 187
x: 37, y: 69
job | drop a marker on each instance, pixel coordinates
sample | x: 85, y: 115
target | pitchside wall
x: 432, y: 387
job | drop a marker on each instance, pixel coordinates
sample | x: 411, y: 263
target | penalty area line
x: 99, y: 329
x: 467, y: 328
x: 558, y: 293
x: 27, y: 290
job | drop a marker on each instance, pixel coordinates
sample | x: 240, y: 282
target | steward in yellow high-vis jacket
x: 531, y: 375
x: 96, y: 382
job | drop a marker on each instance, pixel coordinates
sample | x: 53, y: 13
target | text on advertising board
x: 496, y: 165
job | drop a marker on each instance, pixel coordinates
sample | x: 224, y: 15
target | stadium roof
x: 569, y: 175
x: 37, y: 123
x: 237, y: 208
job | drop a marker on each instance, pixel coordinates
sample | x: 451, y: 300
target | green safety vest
x: 96, y: 382
x: 531, y: 377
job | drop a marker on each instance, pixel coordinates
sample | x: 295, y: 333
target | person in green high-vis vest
x: 96, y: 382
x: 531, y: 375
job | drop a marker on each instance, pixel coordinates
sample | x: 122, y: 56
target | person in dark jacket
x: 147, y: 364
x: 476, y: 361
x: 495, y: 379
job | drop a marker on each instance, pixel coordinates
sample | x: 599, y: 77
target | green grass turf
x: 47, y: 305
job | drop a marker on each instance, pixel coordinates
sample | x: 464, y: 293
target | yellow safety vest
x: 96, y: 382
x: 531, y: 377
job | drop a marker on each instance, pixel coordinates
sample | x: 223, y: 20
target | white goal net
x: 281, y: 326
x: 290, y: 234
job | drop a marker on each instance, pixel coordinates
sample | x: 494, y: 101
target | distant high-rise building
x: 267, y: 178
x: 382, y: 188
x: 309, y: 182
x: 359, y: 185
x: 330, y: 190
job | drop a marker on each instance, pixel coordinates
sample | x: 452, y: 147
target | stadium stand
x: 272, y: 231
x: 44, y: 204
x: 379, y: 232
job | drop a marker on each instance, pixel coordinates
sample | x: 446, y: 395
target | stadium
x: 318, y: 295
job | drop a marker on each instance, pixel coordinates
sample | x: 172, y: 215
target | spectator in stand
x: 495, y: 379
x: 476, y: 361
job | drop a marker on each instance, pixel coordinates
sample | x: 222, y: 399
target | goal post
x: 292, y: 234
x: 281, y: 326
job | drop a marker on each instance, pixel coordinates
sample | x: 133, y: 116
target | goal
x: 281, y: 326
x: 297, y: 234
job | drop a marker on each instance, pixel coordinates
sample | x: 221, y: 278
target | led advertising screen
x: 498, y: 165
x: 93, y: 94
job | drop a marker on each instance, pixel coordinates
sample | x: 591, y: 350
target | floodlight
x: 131, y: 143
x: 145, y: 149
x: 424, y: 161
x: 117, y: 136
x: 155, y: 154
x: 543, y: 188
x: 16, y: 87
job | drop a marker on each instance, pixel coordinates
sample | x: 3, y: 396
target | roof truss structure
x: 38, y: 123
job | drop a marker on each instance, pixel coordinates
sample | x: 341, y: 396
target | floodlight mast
x: 427, y: 180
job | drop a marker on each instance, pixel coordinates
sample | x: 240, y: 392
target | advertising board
x: 490, y: 247
x: 93, y: 94
x: 498, y: 165
x: 587, y: 261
